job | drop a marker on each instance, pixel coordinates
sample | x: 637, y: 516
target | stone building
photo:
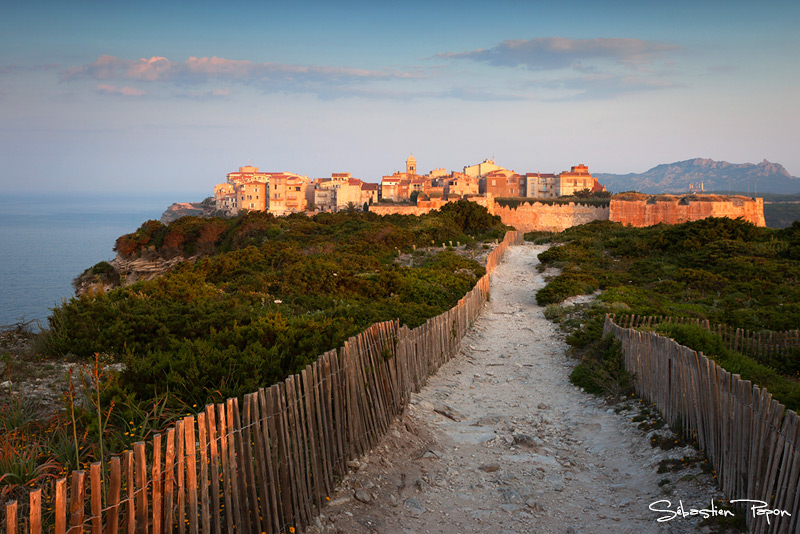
x: 482, y: 169
x: 577, y: 179
x: 287, y: 193
x: 251, y: 196
x: 342, y: 190
x: 461, y: 184
x: 541, y: 185
x: 503, y: 183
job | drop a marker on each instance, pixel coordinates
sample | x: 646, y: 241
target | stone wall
x: 629, y: 208
x: 551, y: 218
x: 424, y: 206
x: 642, y: 210
x: 390, y: 209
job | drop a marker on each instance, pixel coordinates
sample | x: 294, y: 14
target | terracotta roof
x: 368, y: 186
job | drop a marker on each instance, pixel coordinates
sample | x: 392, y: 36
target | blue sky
x: 130, y: 97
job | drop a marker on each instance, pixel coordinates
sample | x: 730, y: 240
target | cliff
x: 636, y: 209
x: 121, y: 272
x: 206, y: 208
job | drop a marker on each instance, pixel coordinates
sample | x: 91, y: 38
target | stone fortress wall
x: 632, y: 209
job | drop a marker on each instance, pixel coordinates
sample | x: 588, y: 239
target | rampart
x: 642, y: 210
x: 634, y: 209
x: 536, y: 216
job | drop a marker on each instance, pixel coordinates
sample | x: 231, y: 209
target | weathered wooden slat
x: 248, y: 466
x: 61, y: 506
x: 324, y: 483
x: 169, y: 481
x: 202, y: 441
x: 288, y: 489
x: 96, y: 497
x: 77, y: 499
x: 214, y: 467
x: 35, y: 504
x: 191, y: 474
x: 11, y: 517
x: 316, y: 454
x: 114, y: 492
x: 224, y: 455
x: 130, y: 479
x: 238, y: 464
x: 141, y: 488
x: 252, y: 412
x: 180, y: 479
x: 158, y: 487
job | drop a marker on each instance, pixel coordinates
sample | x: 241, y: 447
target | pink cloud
x: 106, y: 89
x: 203, y: 69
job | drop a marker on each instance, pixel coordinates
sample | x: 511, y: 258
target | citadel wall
x: 642, y: 210
x: 629, y: 209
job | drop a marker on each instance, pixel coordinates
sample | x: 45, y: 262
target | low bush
x: 566, y: 285
x: 602, y: 370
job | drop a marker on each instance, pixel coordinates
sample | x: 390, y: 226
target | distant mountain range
x: 718, y: 176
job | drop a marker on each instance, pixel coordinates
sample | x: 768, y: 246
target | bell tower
x: 411, y: 165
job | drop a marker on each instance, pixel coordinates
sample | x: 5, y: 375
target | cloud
x: 548, y: 53
x: 105, y: 89
x: 200, y: 70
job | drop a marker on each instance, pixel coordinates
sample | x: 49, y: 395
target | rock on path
x: 499, y: 441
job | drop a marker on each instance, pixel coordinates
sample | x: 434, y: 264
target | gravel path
x: 500, y: 441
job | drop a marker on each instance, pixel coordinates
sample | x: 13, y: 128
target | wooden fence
x: 760, y: 345
x: 269, y: 462
x: 749, y: 437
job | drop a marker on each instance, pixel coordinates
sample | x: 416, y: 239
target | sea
x: 45, y: 242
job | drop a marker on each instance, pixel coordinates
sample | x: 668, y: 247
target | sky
x: 123, y: 98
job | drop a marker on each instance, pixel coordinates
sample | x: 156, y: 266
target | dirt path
x: 499, y: 441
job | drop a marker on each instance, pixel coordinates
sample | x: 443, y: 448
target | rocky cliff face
x: 765, y: 177
x: 206, y: 208
x: 127, y: 271
x: 644, y: 210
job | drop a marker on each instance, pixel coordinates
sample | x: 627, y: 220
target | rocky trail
x: 500, y: 441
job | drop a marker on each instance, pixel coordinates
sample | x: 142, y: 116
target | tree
x: 413, y: 196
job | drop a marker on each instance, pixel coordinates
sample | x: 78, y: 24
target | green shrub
x: 602, y: 370
x: 566, y: 285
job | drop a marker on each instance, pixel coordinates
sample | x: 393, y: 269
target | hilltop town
x: 530, y: 201
x: 282, y: 193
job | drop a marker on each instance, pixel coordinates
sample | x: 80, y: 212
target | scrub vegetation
x: 723, y: 270
x: 263, y: 298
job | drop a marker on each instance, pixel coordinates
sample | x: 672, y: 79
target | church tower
x: 411, y: 165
